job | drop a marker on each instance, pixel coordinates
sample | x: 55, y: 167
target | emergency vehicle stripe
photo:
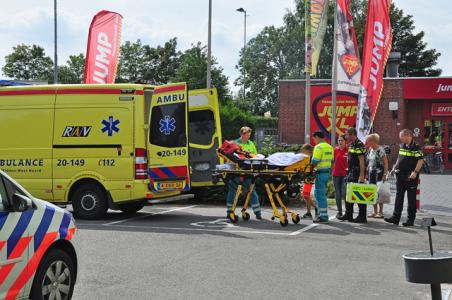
x: 64, y: 225
x: 31, y: 267
x: 179, y: 171
x: 2, y: 243
x: 18, y: 251
x: 44, y: 226
x: 3, y: 217
x: 70, y: 233
x: 158, y: 173
x: 18, y: 231
x: 169, y: 89
x: 63, y: 92
x: 168, y: 172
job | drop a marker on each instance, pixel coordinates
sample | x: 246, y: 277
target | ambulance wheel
x: 55, y: 277
x: 232, y: 217
x: 131, y: 208
x: 295, y: 218
x: 245, y: 216
x: 90, y: 202
x: 284, y: 222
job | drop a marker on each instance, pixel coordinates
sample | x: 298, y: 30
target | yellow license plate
x: 170, y: 185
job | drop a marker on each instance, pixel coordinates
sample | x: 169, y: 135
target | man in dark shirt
x: 407, y: 168
x: 355, y: 173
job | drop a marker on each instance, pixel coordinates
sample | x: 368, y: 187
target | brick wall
x: 291, y: 112
x: 292, y: 105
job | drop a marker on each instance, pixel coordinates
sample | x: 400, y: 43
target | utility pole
x: 334, y: 79
x: 55, y: 59
x: 209, y: 49
x: 244, y: 49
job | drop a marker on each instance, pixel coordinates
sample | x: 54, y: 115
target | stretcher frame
x: 272, y: 189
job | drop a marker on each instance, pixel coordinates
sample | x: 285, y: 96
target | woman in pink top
x: 340, y: 172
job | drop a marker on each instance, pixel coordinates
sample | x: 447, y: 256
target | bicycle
x: 434, y: 163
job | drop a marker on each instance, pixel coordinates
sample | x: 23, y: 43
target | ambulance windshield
x: 168, y: 126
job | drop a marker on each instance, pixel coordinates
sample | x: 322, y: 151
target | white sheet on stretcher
x: 284, y: 159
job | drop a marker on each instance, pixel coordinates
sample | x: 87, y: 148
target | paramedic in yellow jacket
x: 247, y: 145
x: 322, y: 159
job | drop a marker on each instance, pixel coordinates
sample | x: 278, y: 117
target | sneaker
x: 321, y: 221
x: 258, y: 217
x: 408, y: 223
x: 392, y: 220
x: 306, y: 215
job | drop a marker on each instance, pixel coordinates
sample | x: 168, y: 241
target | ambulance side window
x: 168, y: 125
x: 4, y: 206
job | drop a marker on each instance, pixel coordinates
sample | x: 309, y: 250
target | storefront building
x: 421, y: 104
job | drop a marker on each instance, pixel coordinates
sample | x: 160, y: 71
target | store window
x: 434, y: 133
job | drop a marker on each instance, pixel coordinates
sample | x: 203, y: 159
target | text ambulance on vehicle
x: 108, y: 146
x: 38, y: 257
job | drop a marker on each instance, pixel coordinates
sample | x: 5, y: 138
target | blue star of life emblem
x: 167, y: 125
x: 110, y: 125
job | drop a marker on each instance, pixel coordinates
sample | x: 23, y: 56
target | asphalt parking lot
x: 191, y: 252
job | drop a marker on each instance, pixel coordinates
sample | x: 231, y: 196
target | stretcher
x: 276, y: 180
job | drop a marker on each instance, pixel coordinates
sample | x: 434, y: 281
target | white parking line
x: 147, y: 214
x: 309, y: 227
x: 194, y: 229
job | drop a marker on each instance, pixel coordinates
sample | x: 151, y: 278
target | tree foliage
x: 28, y: 63
x: 73, y: 71
x: 143, y: 62
x: 193, y: 70
x: 278, y: 53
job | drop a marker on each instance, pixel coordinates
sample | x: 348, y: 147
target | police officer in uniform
x: 355, y: 173
x: 407, y: 168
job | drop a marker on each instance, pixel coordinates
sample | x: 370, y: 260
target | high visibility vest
x: 323, y: 155
x: 410, y: 153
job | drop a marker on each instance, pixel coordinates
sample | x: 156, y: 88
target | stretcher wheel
x: 284, y: 222
x: 295, y: 218
x: 273, y: 218
x: 232, y: 217
x: 245, y: 216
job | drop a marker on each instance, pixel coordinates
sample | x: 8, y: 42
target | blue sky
x: 156, y: 21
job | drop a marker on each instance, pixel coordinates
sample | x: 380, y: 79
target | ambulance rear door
x: 204, y: 131
x: 168, y: 140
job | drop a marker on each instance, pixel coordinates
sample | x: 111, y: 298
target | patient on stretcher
x: 287, y: 161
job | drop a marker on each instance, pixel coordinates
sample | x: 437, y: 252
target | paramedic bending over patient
x: 247, y: 145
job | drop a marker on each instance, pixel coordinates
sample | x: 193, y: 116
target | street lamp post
x: 55, y: 64
x: 209, y: 49
x: 244, y: 48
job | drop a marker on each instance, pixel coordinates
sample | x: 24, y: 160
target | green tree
x: 193, y: 70
x: 143, y: 62
x: 131, y: 63
x: 73, y: 71
x: 278, y: 53
x: 28, y: 63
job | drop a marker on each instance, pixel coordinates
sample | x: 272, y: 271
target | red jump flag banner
x: 102, y: 53
x: 347, y: 56
x: 377, y: 46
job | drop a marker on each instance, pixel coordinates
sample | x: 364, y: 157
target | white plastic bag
x: 384, y: 192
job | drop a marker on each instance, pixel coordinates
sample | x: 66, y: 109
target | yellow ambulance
x: 108, y: 146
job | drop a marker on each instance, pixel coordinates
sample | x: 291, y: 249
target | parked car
x: 38, y: 257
